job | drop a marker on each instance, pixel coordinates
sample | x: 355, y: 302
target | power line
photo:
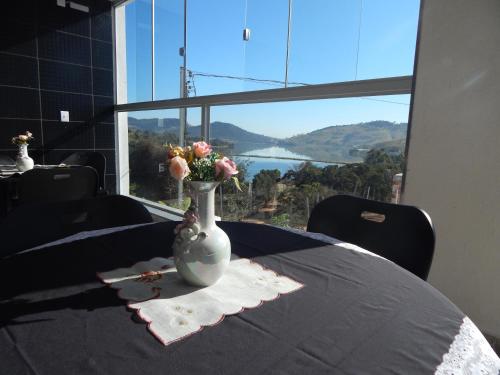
x: 385, y: 101
x: 271, y: 82
x: 250, y: 79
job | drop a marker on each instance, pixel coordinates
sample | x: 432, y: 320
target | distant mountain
x: 342, y: 142
x: 231, y: 133
x: 240, y: 139
x: 333, y: 143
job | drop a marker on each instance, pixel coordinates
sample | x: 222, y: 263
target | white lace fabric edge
x: 470, y: 353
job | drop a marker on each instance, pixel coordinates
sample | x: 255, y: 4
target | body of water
x: 268, y: 159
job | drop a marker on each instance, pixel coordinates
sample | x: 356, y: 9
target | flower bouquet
x: 22, y: 139
x: 200, y: 163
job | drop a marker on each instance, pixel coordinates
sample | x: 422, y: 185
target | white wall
x: 454, y: 153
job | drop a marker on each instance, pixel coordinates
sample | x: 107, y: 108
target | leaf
x: 236, y: 183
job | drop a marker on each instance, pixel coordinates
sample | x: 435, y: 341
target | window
x: 310, y: 98
x: 290, y: 156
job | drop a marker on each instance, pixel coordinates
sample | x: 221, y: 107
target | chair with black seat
x: 403, y: 234
x: 92, y: 159
x: 35, y: 224
x: 56, y: 184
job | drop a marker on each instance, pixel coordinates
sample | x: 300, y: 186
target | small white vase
x: 202, y: 250
x: 23, y: 161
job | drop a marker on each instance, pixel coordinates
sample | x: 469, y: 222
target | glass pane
x: 323, y: 41
x: 149, y: 132
x: 388, y: 38
x: 294, y: 154
x: 344, y: 40
x: 169, y: 38
x: 138, y: 50
x: 219, y: 58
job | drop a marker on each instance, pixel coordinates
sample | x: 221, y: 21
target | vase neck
x: 23, y: 150
x: 205, y: 203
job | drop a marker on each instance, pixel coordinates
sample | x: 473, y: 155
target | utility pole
x: 183, y: 94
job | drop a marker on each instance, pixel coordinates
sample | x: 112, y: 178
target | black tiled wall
x: 56, y: 59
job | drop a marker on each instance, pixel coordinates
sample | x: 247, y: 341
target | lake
x: 269, y: 159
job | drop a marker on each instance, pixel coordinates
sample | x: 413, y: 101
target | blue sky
x: 323, y: 48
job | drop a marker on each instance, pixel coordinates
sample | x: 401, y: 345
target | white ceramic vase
x: 202, y: 250
x: 23, y: 161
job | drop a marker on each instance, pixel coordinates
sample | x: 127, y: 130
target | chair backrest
x: 35, y: 224
x: 92, y: 159
x: 6, y: 160
x: 56, y: 184
x: 403, y: 234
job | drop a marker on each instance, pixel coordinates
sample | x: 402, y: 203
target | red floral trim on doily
x: 148, y: 322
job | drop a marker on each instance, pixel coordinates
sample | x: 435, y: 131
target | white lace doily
x: 175, y: 310
x: 469, y: 353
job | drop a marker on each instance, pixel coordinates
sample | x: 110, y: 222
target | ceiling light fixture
x: 73, y: 5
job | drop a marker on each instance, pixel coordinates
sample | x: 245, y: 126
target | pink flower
x: 179, y: 168
x: 227, y: 166
x: 202, y: 149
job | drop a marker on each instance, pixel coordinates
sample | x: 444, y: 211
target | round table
x: 356, y: 314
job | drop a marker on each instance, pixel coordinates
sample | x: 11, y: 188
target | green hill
x: 347, y: 142
x: 333, y: 143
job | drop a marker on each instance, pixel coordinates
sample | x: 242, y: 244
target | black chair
x: 56, y: 184
x: 6, y: 160
x: 403, y: 234
x: 35, y: 224
x: 92, y: 159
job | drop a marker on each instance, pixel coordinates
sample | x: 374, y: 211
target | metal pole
x: 288, y: 41
x: 182, y: 111
x: 183, y: 94
x: 153, y: 50
x: 205, y: 123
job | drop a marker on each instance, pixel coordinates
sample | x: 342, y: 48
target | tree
x: 265, y: 183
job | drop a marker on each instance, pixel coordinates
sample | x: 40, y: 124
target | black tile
x: 57, y: 156
x: 103, y: 82
x: 64, y: 19
x: 78, y: 105
x: 105, y: 136
x: 63, y: 47
x: 110, y: 183
x: 104, y: 109
x: 110, y: 160
x: 18, y: 71
x: 102, y: 54
x: 12, y: 128
x: 19, y: 103
x: 19, y: 11
x: 101, y: 25
x: 65, y: 77
x: 16, y: 37
x: 57, y: 135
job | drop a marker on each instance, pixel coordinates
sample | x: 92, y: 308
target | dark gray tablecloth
x: 357, y: 314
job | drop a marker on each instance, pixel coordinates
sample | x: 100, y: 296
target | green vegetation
x: 285, y: 200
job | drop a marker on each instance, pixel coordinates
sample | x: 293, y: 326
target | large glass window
x: 292, y: 155
x: 316, y: 98
x: 246, y: 45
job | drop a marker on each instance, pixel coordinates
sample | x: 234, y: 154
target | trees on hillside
x: 296, y: 192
